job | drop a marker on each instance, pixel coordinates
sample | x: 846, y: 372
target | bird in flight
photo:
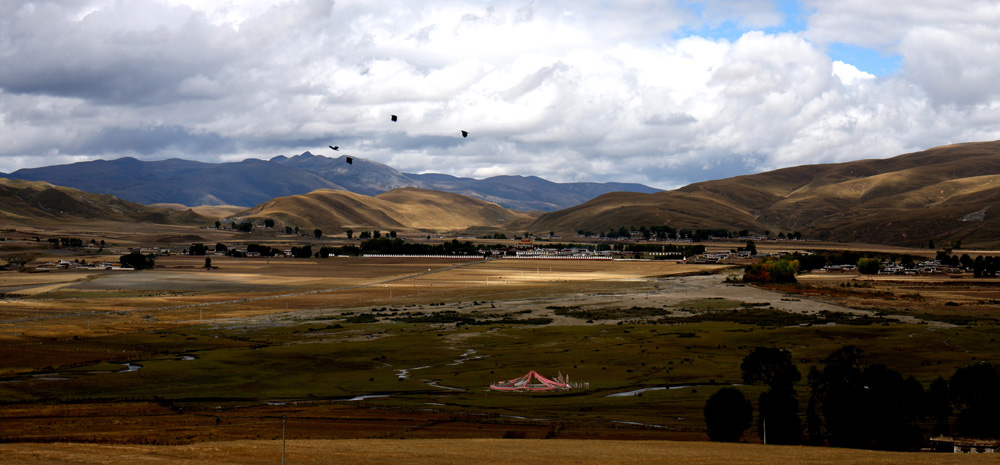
x: 394, y: 117
x: 465, y: 134
x: 350, y: 161
x: 335, y: 148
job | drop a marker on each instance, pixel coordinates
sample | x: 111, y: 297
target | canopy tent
x: 532, y: 382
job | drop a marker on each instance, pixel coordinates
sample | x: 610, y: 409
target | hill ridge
x: 906, y: 199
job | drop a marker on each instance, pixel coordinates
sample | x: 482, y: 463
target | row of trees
x: 854, y: 404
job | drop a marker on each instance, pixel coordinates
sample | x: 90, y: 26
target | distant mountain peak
x: 255, y: 181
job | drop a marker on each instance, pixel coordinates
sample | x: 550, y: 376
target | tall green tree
x: 869, y: 265
x: 778, y: 406
x: 727, y: 415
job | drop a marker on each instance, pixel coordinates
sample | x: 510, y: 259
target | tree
x: 220, y: 247
x: 869, y: 265
x: 868, y: 406
x: 938, y: 405
x: 778, y: 406
x: 727, y: 415
x: 208, y: 263
x: 350, y: 234
x: 138, y: 261
x: 198, y: 249
x: 302, y: 252
x: 217, y: 225
x: 975, y: 392
x: 780, y: 270
x: 770, y: 366
x: 268, y: 223
x: 318, y: 233
x: 778, y: 420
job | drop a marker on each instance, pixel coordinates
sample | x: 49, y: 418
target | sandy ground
x: 465, y: 451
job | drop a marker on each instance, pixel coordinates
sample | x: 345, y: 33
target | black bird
x: 465, y: 134
x: 335, y: 148
x: 394, y: 117
x: 350, y: 161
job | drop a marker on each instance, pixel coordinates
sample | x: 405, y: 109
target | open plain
x: 181, y: 362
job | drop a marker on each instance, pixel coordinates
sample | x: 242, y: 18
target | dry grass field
x: 454, y: 452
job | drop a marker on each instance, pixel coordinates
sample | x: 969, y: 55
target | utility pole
x: 283, y: 440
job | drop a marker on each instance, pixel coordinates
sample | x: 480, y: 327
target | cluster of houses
x: 731, y: 258
x: 568, y: 253
x: 965, y: 445
x: 924, y: 267
x: 80, y: 264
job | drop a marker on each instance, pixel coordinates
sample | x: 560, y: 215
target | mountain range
x: 252, y: 182
x: 944, y: 194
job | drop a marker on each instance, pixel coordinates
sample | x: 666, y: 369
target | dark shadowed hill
x: 30, y: 202
x: 945, y: 193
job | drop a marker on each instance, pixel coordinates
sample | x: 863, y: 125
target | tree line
x: 855, y: 404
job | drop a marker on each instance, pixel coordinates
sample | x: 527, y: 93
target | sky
x: 663, y: 93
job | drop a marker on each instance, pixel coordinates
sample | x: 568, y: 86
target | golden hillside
x: 945, y: 193
x: 32, y: 202
x: 405, y: 209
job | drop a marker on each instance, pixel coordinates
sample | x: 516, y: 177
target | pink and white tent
x: 532, y: 382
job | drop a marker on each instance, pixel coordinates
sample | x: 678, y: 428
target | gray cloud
x: 563, y: 90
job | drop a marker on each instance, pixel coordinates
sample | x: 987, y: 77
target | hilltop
x: 403, y: 209
x: 35, y: 202
x: 944, y: 193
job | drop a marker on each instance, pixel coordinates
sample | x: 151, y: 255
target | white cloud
x: 562, y: 90
x: 849, y: 74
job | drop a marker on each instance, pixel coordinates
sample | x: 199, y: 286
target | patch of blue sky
x: 865, y: 59
x: 794, y: 20
x: 731, y: 29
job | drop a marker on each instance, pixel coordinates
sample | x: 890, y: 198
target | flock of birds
x: 350, y: 161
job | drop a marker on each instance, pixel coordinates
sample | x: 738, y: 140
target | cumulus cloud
x: 571, y: 91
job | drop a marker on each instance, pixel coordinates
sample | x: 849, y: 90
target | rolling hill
x: 404, y: 209
x: 30, y: 202
x: 252, y: 182
x: 945, y: 193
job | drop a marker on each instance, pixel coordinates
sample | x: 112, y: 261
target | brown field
x: 226, y: 353
x: 452, y: 451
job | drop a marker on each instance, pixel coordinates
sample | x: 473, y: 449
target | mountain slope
x: 943, y: 193
x: 405, y: 209
x: 252, y: 182
x: 29, y: 202
x: 186, y: 182
x: 526, y: 193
